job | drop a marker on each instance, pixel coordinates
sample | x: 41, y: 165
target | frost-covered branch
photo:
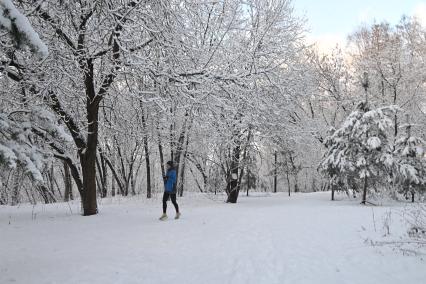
x: 20, y: 28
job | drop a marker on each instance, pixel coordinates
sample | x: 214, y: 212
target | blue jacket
x: 170, y: 181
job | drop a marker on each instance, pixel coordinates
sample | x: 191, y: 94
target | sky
x: 331, y: 21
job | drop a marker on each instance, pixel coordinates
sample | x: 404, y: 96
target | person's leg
x: 173, y: 198
x: 165, y: 198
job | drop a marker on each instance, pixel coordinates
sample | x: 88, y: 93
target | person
x: 170, y: 190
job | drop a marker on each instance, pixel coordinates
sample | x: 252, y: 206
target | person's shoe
x: 163, y: 217
x: 177, y: 215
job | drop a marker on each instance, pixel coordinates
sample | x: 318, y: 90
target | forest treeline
x: 97, y: 95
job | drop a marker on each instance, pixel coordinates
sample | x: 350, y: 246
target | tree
x: 98, y: 53
x: 410, y: 165
x: 360, y: 148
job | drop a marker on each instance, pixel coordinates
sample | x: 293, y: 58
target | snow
x: 262, y: 239
x: 409, y: 172
x: 374, y: 142
x: 6, y: 154
x: 22, y: 24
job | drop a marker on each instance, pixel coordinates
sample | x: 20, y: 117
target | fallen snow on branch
x: 14, y: 21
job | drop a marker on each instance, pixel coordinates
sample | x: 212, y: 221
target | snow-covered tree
x: 23, y: 136
x: 410, y: 166
x: 23, y: 124
x: 360, y: 150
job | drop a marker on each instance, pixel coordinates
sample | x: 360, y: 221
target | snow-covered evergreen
x: 24, y: 137
x: 410, y: 166
x: 20, y: 29
x: 360, y: 151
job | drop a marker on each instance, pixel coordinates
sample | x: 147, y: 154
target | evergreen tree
x: 360, y: 151
x: 410, y: 169
x: 22, y: 136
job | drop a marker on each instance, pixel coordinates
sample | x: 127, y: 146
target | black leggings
x: 173, y: 198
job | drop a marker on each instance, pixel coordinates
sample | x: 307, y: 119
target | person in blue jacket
x: 170, y: 190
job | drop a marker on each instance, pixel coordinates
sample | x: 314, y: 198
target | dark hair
x: 170, y: 163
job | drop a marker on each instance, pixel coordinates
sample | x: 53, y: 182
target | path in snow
x: 270, y: 239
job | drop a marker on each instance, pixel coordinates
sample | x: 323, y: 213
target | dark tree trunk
x: 100, y: 180
x: 88, y: 155
x: 88, y: 165
x: 182, y: 172
x: 182, y: 178
x: 235, y: 184
x: 296, y: 184
x: 288, y: 181
x: 233, y: 188
x: 148, y: 173
x: 179, y: 150
x: 115, y: 175
x: 147, y: 160
x: 51, y: 175
x: 44, y: 192
x: 248, y: 182
x: 364, y: 193
x: 161, y: 154
x: 395, y: 96
x: 104, y: 177
x: 112, y: 186
x: 68, y: 184
x: 275, y: 171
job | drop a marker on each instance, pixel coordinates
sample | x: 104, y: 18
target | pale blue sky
x: 329, y: 19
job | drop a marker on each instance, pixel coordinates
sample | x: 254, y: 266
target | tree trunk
x: 147, y: 160
x: 195, y: 179
x: 182, y: 172
x: 275, y: 171
x: 89, y: 201
x: 248, y: 182
x: 88, y: 155
x: 160, y: 151
x: 148, y: 171
x: 364, y: 193
x: 112, y: 186
x: 105, y: 177
x: 182, y: 178
x: 179, y: 149
x: 68, y: 183
x: 116, y: 177
x: 288, y: 181
x: 236, y: 160
x: 233, y: 188
x: 296, y: 183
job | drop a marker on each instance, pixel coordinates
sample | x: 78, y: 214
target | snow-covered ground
x: 262, y: 239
